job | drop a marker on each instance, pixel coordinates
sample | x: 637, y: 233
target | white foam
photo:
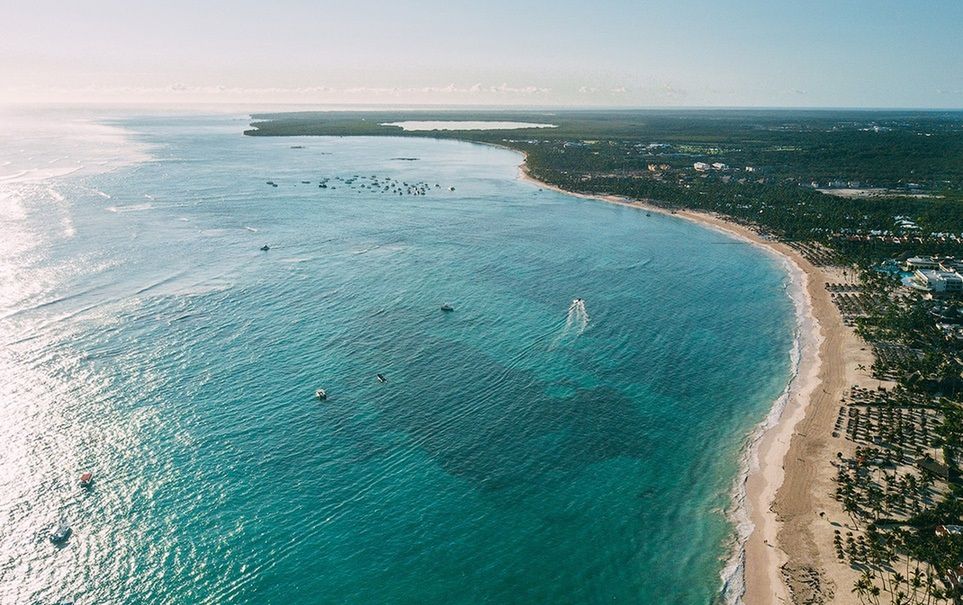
x: 56, y: 195
x: 102, y: 194
x: 131, y: 208
x: 14, y: 176
x: 805, y: 343
x: 576, y: 321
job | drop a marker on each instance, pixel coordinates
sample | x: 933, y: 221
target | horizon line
x: 356, y: 106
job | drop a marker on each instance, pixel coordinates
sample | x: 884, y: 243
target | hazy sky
x: 839, y: 53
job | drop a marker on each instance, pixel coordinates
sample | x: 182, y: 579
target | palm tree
x: 895, y: 581
x: 864, y: 587
x: 917, y: 581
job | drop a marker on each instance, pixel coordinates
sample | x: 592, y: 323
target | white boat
x: 321, y: 394
x: 61, y: 534
x: 447, y: 307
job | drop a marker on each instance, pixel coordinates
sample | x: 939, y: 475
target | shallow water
x: 522, y: 449
x: 465, y: 125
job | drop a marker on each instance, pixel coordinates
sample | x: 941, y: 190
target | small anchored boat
x: 86, y: 479
x: 321, y: 394
x: 61, y: 534
x: 382, y: 379
x: 446, y: 307
x: 265, y: 248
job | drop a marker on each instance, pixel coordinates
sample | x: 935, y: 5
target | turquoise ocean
x: 525, y: 448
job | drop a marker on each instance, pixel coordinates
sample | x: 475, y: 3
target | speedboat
x: 61, y: 534
x: 265, y: 248
x: 321, y: 394
x: 86, y: 479
x: 447, y: 307
x: 382, y: 379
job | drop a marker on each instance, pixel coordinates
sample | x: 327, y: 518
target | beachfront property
x: 938, y: 282
x: 921, y: 262
x: 951, y: 264
x: 949, y: 530
x: 905, y: 223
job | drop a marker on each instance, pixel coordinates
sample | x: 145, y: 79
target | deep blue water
x: 518, y: 453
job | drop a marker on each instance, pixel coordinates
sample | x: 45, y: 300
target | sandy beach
x: 785, y: 522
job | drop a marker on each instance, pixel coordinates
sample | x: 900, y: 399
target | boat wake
x: 575, y: 323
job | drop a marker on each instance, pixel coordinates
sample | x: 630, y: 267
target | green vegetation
x: 772, y: 159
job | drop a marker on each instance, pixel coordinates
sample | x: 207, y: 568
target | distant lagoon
x: 419, y: 125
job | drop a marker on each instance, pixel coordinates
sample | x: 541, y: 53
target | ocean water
x: 525, y: 448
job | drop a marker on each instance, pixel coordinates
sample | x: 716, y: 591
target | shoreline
x: 775, y: 500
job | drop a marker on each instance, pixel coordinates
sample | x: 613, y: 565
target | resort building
x: 702, y: 167
x: 938, y: 282
x: 720, y: 166
x: 951, y: 264
x: 949, y: 530
x: 921, y: 262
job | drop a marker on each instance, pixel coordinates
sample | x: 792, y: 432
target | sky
x: 683, y: 53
